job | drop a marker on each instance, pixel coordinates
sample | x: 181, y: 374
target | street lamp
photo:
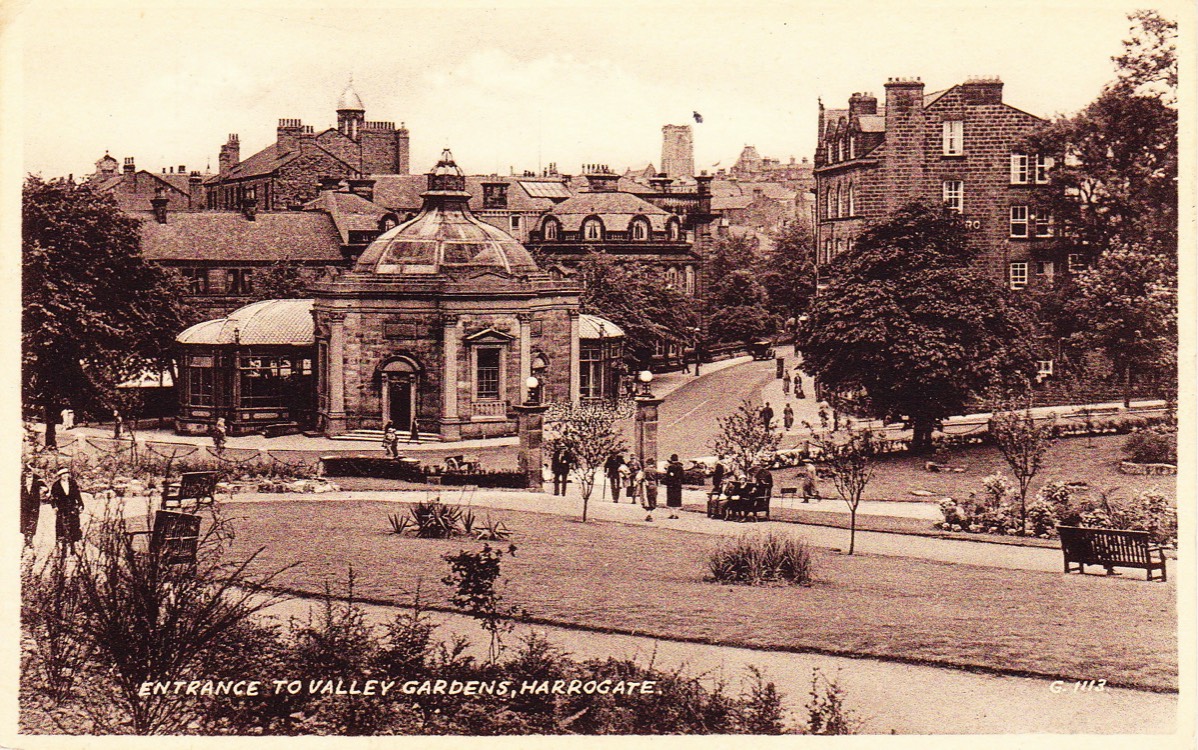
x: 533, y: 386
x: 644, y: 377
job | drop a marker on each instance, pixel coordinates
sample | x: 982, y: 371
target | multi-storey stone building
x: 287, y: 173
x: 959, y: 148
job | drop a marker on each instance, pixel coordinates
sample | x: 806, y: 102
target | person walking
x: 636, y: 476
x: 561, y: 463
x: 68, y: 419
x: 32, y: 491
x: 810, y: 489
x: 117, y: 424
x: 767, y: 416
x: 651, y: 477
x: 390, y: 440
x: 674, y: 473
x: 68, y: 504
x: 611, y: 469
x: 788, y: 417
x: 414, y: 437
x: 786, y: 383
x: 799, y: 384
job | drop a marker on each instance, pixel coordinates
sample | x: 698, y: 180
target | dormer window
x: 673, y: 229
x: 592, y: 229
x: 640, y: 229
x: 551, y: 229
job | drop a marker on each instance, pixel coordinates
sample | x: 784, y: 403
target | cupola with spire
x: 350, y: 111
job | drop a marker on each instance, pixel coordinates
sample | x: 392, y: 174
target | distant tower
x: 677, y: 151
x: 350, y: 112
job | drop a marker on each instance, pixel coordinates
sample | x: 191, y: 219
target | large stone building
x: 286, y: 174
x: 959, y: 148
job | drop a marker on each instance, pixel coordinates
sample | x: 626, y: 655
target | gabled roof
x: 930, y: 98
x: 730, y: 202
x: 350, y: 212
x: 229, y: 236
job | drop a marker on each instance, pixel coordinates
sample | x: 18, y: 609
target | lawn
x: 1069, y: 459
x: 649, y: 581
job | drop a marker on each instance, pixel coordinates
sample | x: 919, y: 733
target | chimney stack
x: 195, y: 189
x: 159, y: 204
x: 600, y: 178
x: 862, y: 104
x: 903, y: 96
x: 129, y: 166
x: 982, y: 90
x: 230, y: 154
x: 363, y: 187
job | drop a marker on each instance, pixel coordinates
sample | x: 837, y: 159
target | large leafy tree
x: 1116, y: 160
x: 636, y: 297
x: 1128, y: 304
x: 94, y: 311
x: 737, y: 303
x: 787, y: 270
x: 907, y: 320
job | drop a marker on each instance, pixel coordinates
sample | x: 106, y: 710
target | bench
x: 460, y: 465
x: 198, y: 486
x: 1110, y: 548
x: 174, y: 537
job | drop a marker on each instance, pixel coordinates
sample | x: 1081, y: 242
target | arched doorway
x: 400, y: 385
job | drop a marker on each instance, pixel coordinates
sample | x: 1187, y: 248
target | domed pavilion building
x: 442, y: 320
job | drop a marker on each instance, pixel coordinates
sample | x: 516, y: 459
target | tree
x: 1023, y: 444
x: 737, y: 304
x: 588, y: 431
x: 850, y: 458
x: 636, y: 298
x: 745, y: 440
x: 788, y: 270
x: 907, y: 320
x: 1127, y: 307
x: 95, y: 312
x: 1116, y: 160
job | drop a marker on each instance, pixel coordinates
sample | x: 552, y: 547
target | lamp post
x: 529, y: 427
x: 646, y: 420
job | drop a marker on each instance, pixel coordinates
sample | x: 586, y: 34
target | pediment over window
x: 489, y: 336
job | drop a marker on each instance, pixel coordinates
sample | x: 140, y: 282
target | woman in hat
x: 68, y: 504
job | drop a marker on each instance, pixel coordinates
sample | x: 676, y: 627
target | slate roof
x: 615, y: 209
x: 229, y: 236
x: 350, y: 212
x: 595, y: 327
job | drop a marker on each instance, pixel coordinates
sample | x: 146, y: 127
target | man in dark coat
x: 32, y: 488
x: 68, y: 504
x: 767, y: 415
x: 717, y: 477
x: 611, y: 468
x: 674, y: 483
x: 561, y: 464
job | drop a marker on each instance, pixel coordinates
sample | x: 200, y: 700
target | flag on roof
x: 698, y: 117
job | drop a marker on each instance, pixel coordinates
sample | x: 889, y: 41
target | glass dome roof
x: 445, y: 235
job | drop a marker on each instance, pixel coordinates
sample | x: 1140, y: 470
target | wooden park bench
x: 1110, y: 548
x: 174, y: 537
x: 196, y: 486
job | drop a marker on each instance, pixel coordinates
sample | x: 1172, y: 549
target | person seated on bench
x: 741, y: 502
x: 730, y: 488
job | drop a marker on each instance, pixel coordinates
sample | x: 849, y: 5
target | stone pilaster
x: 451, y: 423
x: 336, y: 374
x: 575, y: 353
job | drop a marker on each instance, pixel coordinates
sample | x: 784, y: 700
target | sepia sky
x: 522, y: 84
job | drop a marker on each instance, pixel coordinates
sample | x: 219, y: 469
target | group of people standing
x: 788, y: 413
x: 63, y: 495
x: 641, y: 481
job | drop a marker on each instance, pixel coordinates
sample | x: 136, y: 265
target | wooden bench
x: 1110, y: 548
x: 174, y: 537
x: 197, y: 486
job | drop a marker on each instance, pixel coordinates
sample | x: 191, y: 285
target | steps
x: 376, y: 436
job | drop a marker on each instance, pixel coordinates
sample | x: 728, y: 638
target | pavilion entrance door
x: 399, y: 402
